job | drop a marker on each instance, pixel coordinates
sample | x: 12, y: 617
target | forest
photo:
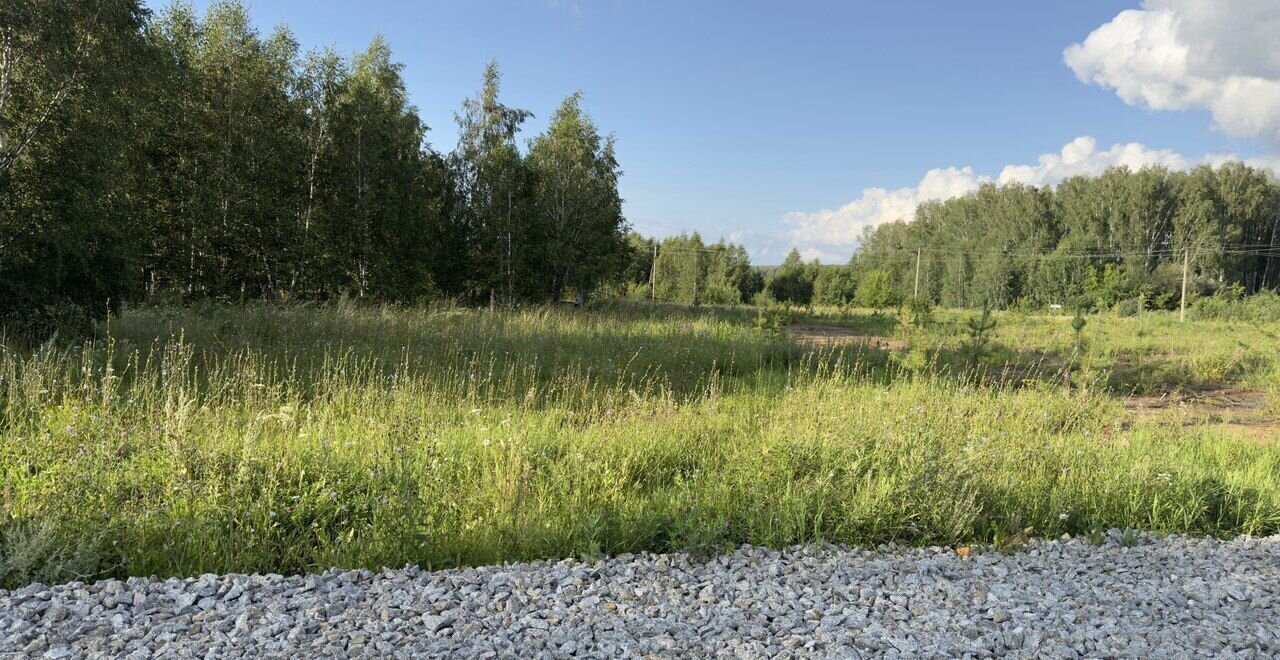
x: 1090, y: 242
x: 193, y: 157
x: 171, y: 156
x: 1121, y: 238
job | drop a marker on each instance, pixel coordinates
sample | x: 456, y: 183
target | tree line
x: 1090, y: 241
x: 689, y: 270
x: 1121, y: 238
x: 192, y: 155
x: 185, y: 155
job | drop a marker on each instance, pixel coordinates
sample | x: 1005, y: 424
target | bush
x: 875, y: 291
x: 720, y: 294
x: 1128, y: 307
x: 60, y: 318
x: 917, y: 312
x: 773, y: 321
x: 1228, y: 305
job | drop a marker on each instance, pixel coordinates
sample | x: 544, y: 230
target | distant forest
x: 183, y: 157
x: 1091, y: 242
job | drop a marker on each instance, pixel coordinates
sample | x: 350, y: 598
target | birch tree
x: 71, y: 74
x: 493, y: 189
x: 576, y: 196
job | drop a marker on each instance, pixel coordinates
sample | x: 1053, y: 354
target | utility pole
x: 917, y: 293
x: 697, y: 277
x: 1186, y: 261
x: 653, y: 274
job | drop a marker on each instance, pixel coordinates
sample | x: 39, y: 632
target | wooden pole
x: 1186, y: 261
x: 653, y: 274
x: 917, y: 293
x: 697, y: 277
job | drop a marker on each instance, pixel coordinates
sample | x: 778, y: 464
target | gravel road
x: 1132, y: 596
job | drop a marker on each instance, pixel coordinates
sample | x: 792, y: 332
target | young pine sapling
x: 980, y: 328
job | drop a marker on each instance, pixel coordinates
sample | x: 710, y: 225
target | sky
x: 783, y: 125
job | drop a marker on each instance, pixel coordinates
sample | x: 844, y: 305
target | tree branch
x: 9, y: 156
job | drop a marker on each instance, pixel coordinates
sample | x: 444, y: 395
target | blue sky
x: 731, y: 115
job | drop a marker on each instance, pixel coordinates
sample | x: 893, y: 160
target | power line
x: 1237, y: 249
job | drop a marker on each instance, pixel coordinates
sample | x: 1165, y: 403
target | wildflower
x: 1062, y: 516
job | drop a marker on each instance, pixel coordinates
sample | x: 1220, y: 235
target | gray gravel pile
x: 1131, y: 596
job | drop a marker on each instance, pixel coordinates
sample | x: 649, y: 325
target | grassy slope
x: 291, y: 439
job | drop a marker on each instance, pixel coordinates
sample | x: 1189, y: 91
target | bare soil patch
x: 1236, y: 409
x: 834, y: 335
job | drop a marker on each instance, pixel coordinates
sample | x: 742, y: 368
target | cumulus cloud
x: 832, y: 234
x: 1081, y: 156
x: 1217, y: 55
x: 843, y: 226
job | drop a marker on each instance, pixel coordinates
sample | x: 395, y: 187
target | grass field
x: 286, y: 439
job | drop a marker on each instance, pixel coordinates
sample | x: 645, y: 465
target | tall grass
x: 289, y: 439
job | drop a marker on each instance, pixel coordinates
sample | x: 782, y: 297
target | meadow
x: 292, y: 438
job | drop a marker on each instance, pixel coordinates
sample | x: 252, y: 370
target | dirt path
x: 1237, y: 409
x: 1241, y: 410
x: 834, y: 335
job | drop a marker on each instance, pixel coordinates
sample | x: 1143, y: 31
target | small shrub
x: 773, y: 321
x: 874, y: 291
x: 916, y: 312
x: 1128, y: 307
x: 979, y: 340
x: 1077, y: 326
x: 1259, y: 308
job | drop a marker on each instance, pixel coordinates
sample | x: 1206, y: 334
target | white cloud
x: 1217, y: 55
x: 843, y: 226
x: 1222, y: 56
x: 831, y: 235
x: 1081, y: 156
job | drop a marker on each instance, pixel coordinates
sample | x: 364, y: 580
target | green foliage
x: 1093, y: 240
x: 193, y: 155
x: 834, y: 285
x: 875, y: 292
x: 978, y: 341
x: 576, y: 197
x: 493, y: 187
x: 773, y: 321
x: 73, y: 89
x: 1128, y: 307
x: 1261, y: 308
x: 1078, y: 322
x: 295, y: 438
x: 916, y: 312
x: 1106, y: 287
x: 793, y: 282
x: 691, y: 271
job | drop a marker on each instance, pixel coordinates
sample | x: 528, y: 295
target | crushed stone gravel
x: 1132, y: 595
